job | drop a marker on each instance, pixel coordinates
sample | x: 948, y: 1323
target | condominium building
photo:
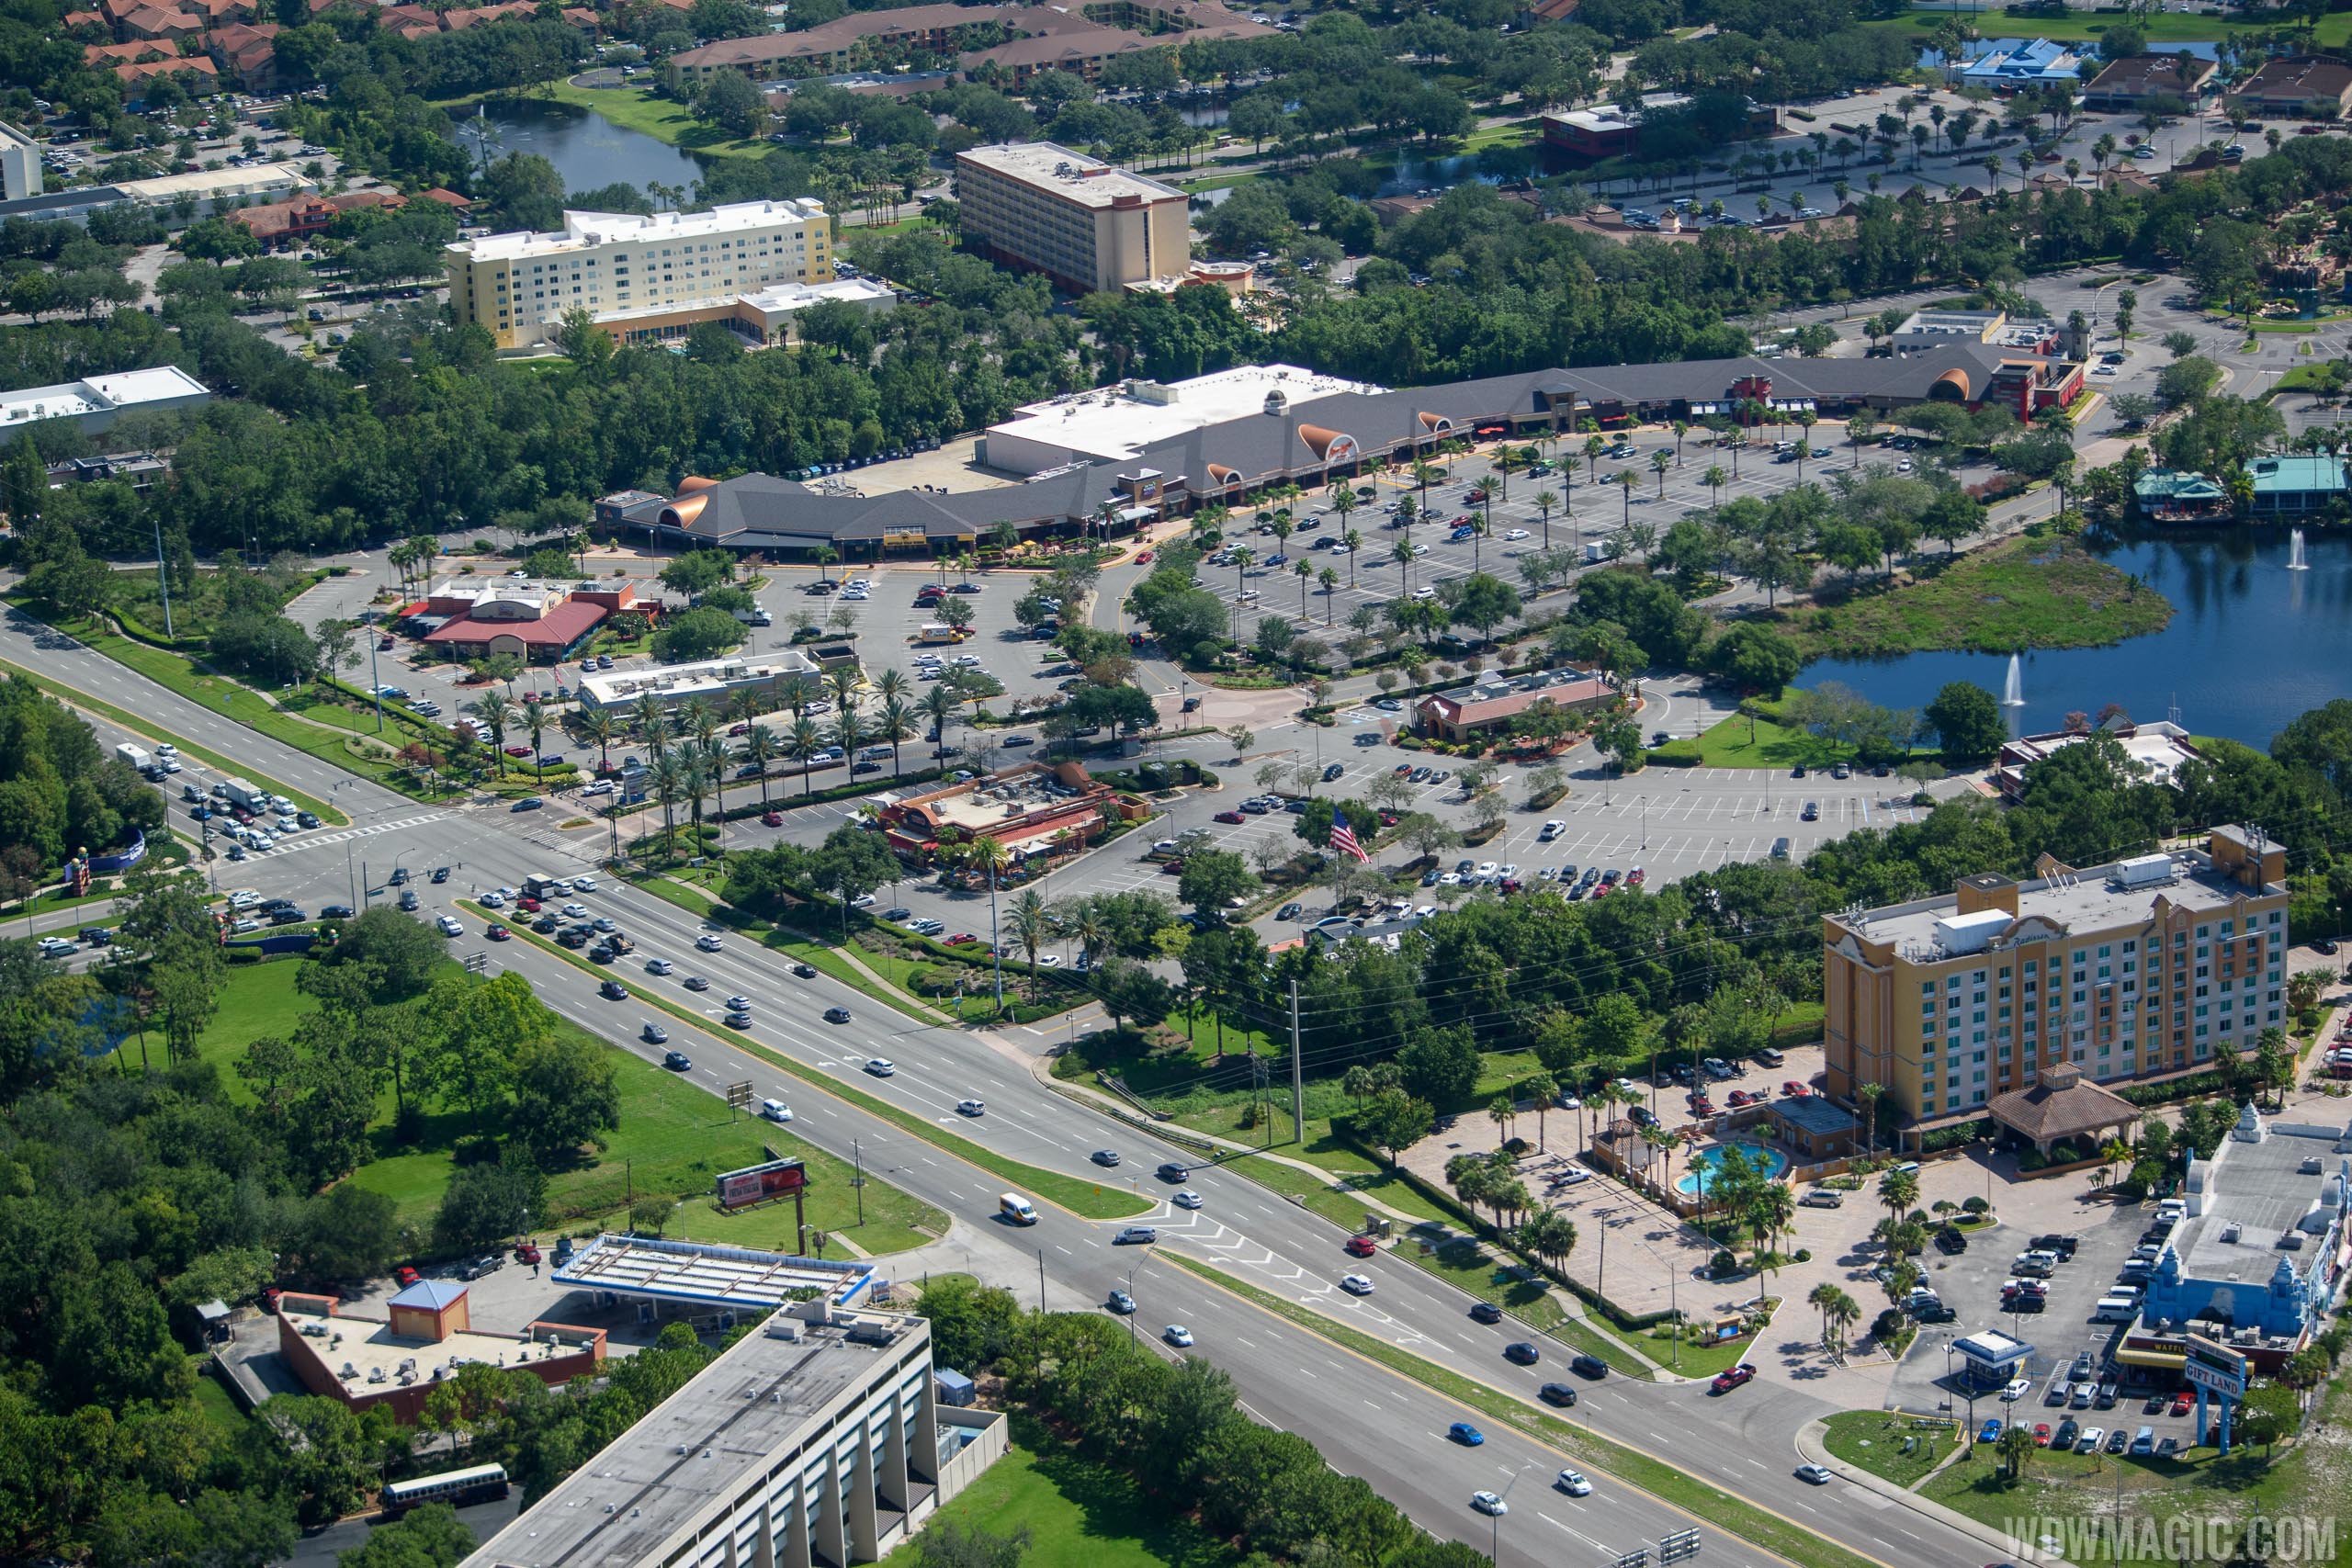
x: 819, y: 1437
x: 2146, y: 968
x: 20, y: 165
x: 517, y: 287
x: 1086, y: 224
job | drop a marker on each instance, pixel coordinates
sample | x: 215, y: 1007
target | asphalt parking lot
x: 1970, y: 1285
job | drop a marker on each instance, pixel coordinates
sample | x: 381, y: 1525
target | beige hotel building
x: 2146, y: 968
x: 516, y: 287
x: 1084, y: 223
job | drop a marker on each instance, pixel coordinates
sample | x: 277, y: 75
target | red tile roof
x: 562, y: 625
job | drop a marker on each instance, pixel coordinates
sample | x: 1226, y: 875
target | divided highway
x: 1368, y: 1421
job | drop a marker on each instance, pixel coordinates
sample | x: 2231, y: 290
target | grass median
x: 1703, y: 1500
x: 1079, y: 1196
x: 76, y: 698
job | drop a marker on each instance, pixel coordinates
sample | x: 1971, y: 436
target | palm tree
x: 668, y: 784
x: 1819, y: 1298
x: 991, y: 856
x: 1305, y: 570
x: 1869, y: 1094
x: 694, y: 779
x: 842, y: 682
x: 1626, y: 481
x: 760, y: 750
x: 801, y: 744
x: 601, y: 727
x: 493, y: 713
x: 1032, y: 930
x: 1714, y: 478
x: 1899, y: 1190
x: 1542, y: 1088
x: 940, y: 704
x: 1402, y: 554
x: 652, y: 724
x: 1544, y: 501
x: 535, y: 725
x: 849, y: 733
x: 891, y: 683
x: 893, y: 722
x: 1354, y: 541
x: 1329, y: 581
x: 1659, y: 463
x: 743, y: 705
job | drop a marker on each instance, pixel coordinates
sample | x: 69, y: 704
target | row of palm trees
x: 691, y: 749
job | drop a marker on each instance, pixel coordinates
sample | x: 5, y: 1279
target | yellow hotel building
x: 516, y: 287
x: 2146, y: 968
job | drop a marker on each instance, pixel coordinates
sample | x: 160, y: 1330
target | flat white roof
x: 780, y: 298
x: 247, y: 181
x: 675, y: 681
x: 124, y: 388
x: 1073, y: 176
x: 584, y: 230
x: 703, y: 1274
x: 1118, y: 422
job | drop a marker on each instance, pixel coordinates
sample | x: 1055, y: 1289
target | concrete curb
x: 1810, y: 1447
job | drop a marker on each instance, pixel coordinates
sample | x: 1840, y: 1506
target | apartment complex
x: 20, y: 165
x: 1085, y: 224
x: 516, y: 287
x: 2145, y: 968
x: 819, y: 1437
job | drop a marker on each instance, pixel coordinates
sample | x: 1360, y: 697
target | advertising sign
x: 758, y: 1183
x: 2214, y: 1367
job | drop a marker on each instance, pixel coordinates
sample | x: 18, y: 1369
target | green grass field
x: 2161, y: 28
x: 2028, y: 592
x: 673, y: 1139
x: 641, y: 109
x: 1876, y: 1440
x: 1079, y: 1514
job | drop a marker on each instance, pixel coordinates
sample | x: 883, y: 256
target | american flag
x: 1343, y: 839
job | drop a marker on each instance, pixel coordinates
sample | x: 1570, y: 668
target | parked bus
x: 478, y: 1483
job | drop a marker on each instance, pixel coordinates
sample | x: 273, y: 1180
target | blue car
x: 528, y: 803
x: 1469, y: 1437
x: 1992, y: 1432
x: 1461, y: 533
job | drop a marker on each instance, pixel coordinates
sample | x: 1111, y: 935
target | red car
x: 528, y: 905
x: 384, y: 642
x: 1702, y: 1106
x: 1143, y: 557
x: 527, y: 1252
x: 2182, y: 1401
x: 2041, y: 1434
x: 1731, y: 1378
x: 1636, y: 877
x: 1736, y: 1098
x: 1402, y: 769
x: 1361, y: 1246
x: 740, y: 730
x: 498, y: 933
x: 929, y: 591
x: 1601, y: 889
x: 1388, y: 819
x: 405, y: 1275
x: 771, y: 819
x: 518, y: 750
x: 1794, y: 1090
x: 1228, y: 817
x: 962, y: 938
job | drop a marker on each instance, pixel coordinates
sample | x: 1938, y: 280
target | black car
x: 613, y: 992
x: 440, y: 874
x: 285, y: 917
x: 1332, y: 771
x: 1557, y: 1394
x: 1935, y: 1312
x: 1106, y: 1156
x: 837, y: 1015
x: 1485, y: 1311
x: 1524, y: 1353
x: 400, y: 877
x: 804, y: 971
x: 676, y: 1061
x: 1951, y: 1243
x: 335, y: 912
x: 1169, y: 1170
x: 2324, y: 944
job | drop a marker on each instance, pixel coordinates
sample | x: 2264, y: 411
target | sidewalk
x: 1810, y: 1445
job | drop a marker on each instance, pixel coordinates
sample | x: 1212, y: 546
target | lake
x: 586, y: 149
x: 2252, y: 644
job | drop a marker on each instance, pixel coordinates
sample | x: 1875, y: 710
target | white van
x: 1015, y: 1208
x: 775, y: 1110
x: 2115, y: 1309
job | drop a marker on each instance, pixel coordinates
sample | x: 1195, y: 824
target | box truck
x: 137, y: 756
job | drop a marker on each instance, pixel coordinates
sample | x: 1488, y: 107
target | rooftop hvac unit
x: 2144, y: 871
x: 348, y: 1370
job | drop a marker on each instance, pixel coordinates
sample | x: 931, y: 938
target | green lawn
x: 216, y: 1405
x: 1896, y: 1448
x: 673, y: 1138
x: 2028, y: 592
x: 640, y: 108
x: 1739, y: 741
x: 2080, y: 27
x: 1079, y: 1514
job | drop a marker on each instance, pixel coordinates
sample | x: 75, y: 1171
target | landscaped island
x: 2031, y: 592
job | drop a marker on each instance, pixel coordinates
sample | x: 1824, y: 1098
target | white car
x: 708, y: 942
x: 1451, y: 879
x: 583, y: 884
x: 970, y: 1108
x: 1487, y: 870
x: 58, y: 947
x: 602, y: 786
x: 1048, y: 960
x: 2018, y: 1389
x: 1488, y: 1503
x: 494, y: 901
x: 1420, y: 550
x: 450, y: 926
x: 575, y: 911
x: 881, y: 1067
x: 244, y: 899
x: 1187, y: 1198
x: 1552, y: 829
x: 1507, y: 872
x: 1516, y: 535
x: 1356, y: 1284
x: 1176, y: 1333
x: 660, y: 966
x: 1424, y: 592
x: 1574, y: 1484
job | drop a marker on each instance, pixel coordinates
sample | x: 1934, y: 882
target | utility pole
x: 163, y: 578
x: 1041, y: 1279
x: 857, y: 1181
x: 1297, y: 1089
x: 375, y: 680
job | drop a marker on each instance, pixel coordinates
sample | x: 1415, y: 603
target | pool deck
x: 1687, y: 1185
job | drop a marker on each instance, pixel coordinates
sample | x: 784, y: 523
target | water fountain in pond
x: 2295, y: 559
x: 2013, y: 693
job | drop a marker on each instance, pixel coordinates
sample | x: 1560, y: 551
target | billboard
x: 2214, y: 1367
x: 758, y: 1183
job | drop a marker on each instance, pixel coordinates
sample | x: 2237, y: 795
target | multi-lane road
x: 1367, y: 1420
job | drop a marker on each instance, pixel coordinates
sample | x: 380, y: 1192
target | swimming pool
x: 1702, y: 1164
